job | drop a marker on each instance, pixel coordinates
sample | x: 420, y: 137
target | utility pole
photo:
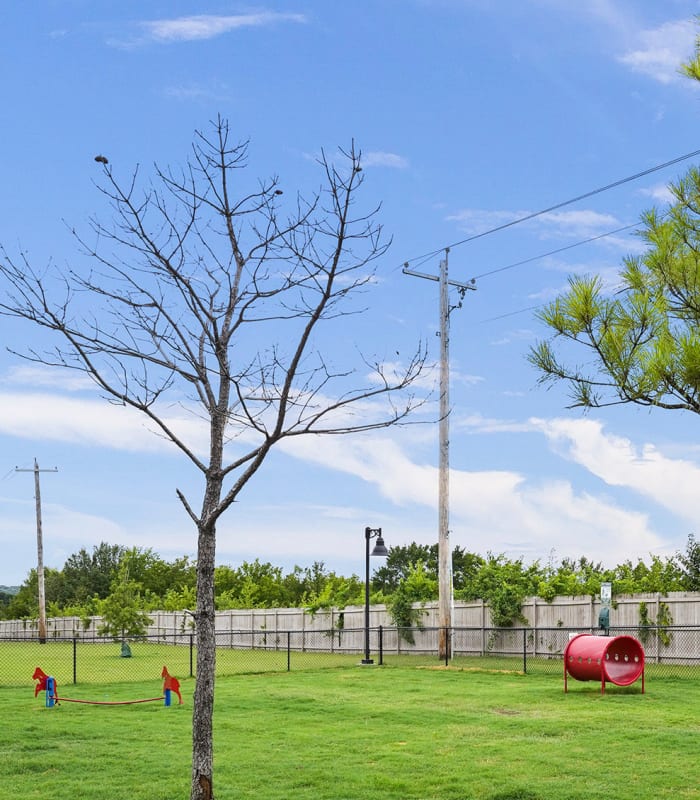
x: 444, y: 550
x: 39, y: 548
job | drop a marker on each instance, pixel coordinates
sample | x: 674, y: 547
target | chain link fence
x: 670, y: 652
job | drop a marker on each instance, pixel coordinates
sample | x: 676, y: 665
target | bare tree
x: 206, y: 294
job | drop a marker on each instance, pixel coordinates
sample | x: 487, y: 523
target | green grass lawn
x: 367, y: 732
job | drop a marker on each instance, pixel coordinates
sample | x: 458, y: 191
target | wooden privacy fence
x: 547, y: 624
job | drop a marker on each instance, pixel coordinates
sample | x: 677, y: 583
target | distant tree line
x: 6, y: 594
x: 124, y: 584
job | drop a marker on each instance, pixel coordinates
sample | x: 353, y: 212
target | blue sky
x: 469, y: 114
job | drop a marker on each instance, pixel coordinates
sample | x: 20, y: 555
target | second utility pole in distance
x: 39, y: 548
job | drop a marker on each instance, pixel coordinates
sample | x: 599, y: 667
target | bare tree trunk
x: 202, y: 716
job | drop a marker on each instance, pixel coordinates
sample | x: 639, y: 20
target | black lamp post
x: 379, y: 550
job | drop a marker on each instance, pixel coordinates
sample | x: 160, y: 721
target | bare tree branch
x: 202, y: 292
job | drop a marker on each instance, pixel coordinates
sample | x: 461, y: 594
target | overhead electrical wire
x: 544, y: 255
x: 555, y: 207
x: 554, y: 252
x: 512, y: 313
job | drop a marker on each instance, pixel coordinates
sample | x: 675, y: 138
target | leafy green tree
x: 465, y: 568
x: 25, y: 604
x: 122, y: 611
x: 339, y: 592
x: 661, y: 575
x: 302, y: 585
x: 156, y: 575
x: 226, y: 579
x: 85, y: 611
x: 178, y: 599
x: 690, y: 565
x: 401, y: 560
x: 691, y: 68
x: 420, y: 585
x: 571, y: 578
x: 644, y: 341
x: 399, y: 563
x: 503, y: 584
x: 88, y: 575
x: 261, y: 585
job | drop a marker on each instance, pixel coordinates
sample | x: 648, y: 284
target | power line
x: 536, y: 258
x: 557, y: 206
x: 512, y: 313
x: 554, y: 252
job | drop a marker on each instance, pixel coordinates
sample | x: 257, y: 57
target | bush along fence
x: 671, y: 651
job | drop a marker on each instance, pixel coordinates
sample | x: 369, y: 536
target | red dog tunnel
x: 618, y: 659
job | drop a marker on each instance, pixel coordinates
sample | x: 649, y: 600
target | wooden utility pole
x: 444, y: 550
x: 39, y: 548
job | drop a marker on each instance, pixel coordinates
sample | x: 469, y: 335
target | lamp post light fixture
x: 378, y: 550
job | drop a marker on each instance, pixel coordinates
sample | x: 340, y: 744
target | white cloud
x: 52, y: 417
x: 516, y: 334
x: 555, y: 517
x: 609, y: 12
x: 46, y: 416
x: 65, y: 532
x: 661, y: 51
x: 659, y: 193
x: 493, y: 509
x: 672, y: 483
x: 464, y: 378
x: 39, y: 376
x: 474, y: 221
x: 377, y: 158
x: 208, y: 26
x: 477, y: 423
x: 655, y: 52
x: 427, y: 381
x: 196, y: 92
x: 579, y: 224
x: 502, y: 509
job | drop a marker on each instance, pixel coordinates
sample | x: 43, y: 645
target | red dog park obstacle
x: 47, y: 684
x: 618, y: 659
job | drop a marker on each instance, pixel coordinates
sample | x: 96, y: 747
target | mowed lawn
x: 368, y: 732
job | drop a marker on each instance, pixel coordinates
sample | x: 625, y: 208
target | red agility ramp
x: 617, y: 659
